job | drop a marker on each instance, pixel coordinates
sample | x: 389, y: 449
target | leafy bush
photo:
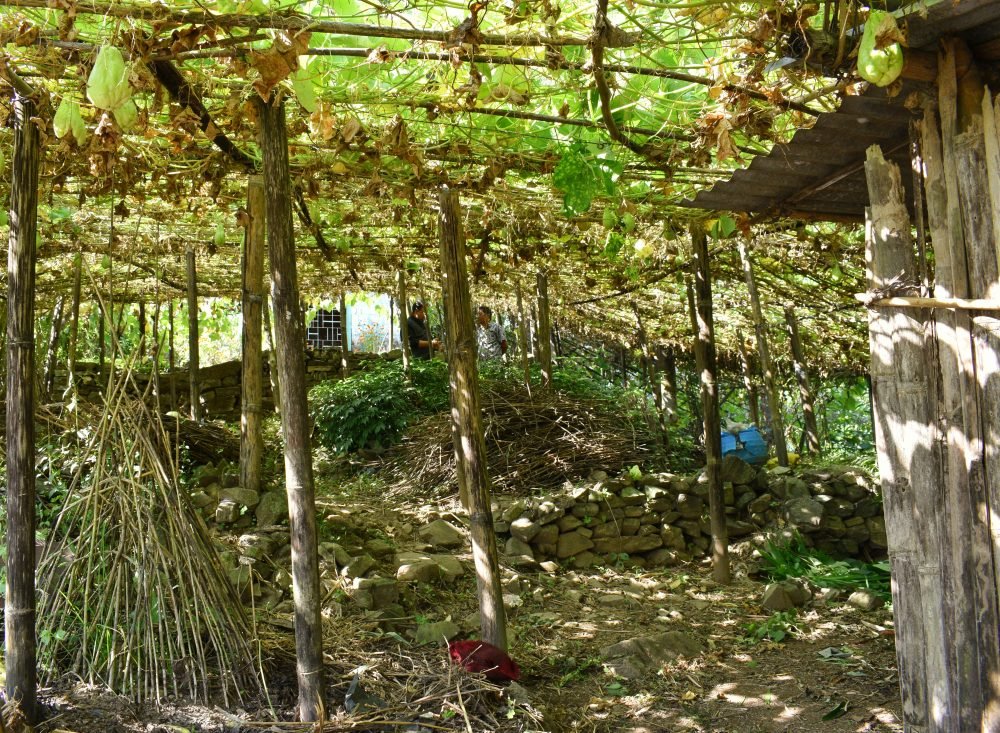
x: 778, y: 627
x: 368, y: 408
x: 793, y: 559
x: 372, y: 408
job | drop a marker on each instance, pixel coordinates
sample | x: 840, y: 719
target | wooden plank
x: 903, y: 427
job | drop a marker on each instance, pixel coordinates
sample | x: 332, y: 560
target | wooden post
x: 907, y: 457
x: 975, y: 513
x: 699, y: 357
x: 345, y: 338
x: 805, y: 388
x: 194, y: 378
x: 467, y: 427
x: 290, y: 337
x: 74, y: 324
x: 705, y: 343
x: 19, y: 609
x: 142, y: 329
x: 154, y: 354
x: 764, y: 352
x: 101, y: 338
x: 404, y: 329
x: 668, y: 382
x: 252, y: 391
x: 272, y: 359
x: 55, y: 329
x: 544, y: 330
x: 522, y: 338
x: 746, y: 366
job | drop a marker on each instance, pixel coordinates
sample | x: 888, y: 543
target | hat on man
x: 417, y: 305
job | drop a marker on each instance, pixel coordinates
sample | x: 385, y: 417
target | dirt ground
x: 834, y: 671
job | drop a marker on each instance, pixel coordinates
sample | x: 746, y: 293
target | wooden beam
x: 252, y: 390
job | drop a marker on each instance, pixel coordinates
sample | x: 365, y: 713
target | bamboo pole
x: 171, y: 354
x: 544, y: 330
x: 272, y: 359
x: 467, y: 426
x: 805, y: 387
x: 194, y: 378
x: 290, y: 337
x: 19, y: 608
x: 142, y: 328
x: 252, y: 390
x: 705, y: 343
x: 905, y: 438
x: 764, y: 352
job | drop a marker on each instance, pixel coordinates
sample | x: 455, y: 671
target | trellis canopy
x: 572, y: 131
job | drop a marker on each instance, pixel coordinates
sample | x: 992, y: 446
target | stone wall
x: 220, y: 383
x: 661, y: 519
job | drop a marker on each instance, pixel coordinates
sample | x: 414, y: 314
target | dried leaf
x: 380, y: 55
x: 351, y: 128
x: 26, y: 34
x: 273, y: 68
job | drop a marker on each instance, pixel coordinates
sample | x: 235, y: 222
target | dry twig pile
x: 534, y: 441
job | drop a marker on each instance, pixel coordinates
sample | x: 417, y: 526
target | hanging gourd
x: 68, y: 120
x: 107, y: 85
x: 220, y: 234
x: 880, y: 56
x: 126, y: 115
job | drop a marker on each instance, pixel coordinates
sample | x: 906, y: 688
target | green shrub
x: 368, y: 408
x: 372, y: 408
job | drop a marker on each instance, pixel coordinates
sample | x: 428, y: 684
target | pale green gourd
x: 126, y: 115
x: 107, y: 85
x: 880, y: 56
x: 305, y: 91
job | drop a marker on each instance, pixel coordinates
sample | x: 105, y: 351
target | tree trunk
x: 252, y: 394
x: 764, y: 352
x: 290, y: 336
x: 404, y: 329
x: 544, y: 330
x: 74, y: 324
x: 19, y: 609
x: 467, y: 427
x: 194, y: 378
x: 55, y: 329
x: 522, y: 338
x: 705, y: 343
x: 805, y: 388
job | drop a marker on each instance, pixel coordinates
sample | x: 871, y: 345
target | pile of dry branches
x: 533, y: 441
x: 132, y: 593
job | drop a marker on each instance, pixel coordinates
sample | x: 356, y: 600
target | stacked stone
x: 661, y: 519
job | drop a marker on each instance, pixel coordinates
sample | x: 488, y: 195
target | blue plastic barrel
x: 748, y: 444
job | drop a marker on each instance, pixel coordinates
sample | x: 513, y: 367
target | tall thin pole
x: 252, y: 397
x: 19, y: 611
x: 290, y: 336
x: 810, y: 428
x: 770, y: 384
x: 74, y: 324
x: 404, y: 329
x: 705, y: 343
x: 194, y: 378
x: 544, y: 330
x: 467, y: 427
x: 522, y: 338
